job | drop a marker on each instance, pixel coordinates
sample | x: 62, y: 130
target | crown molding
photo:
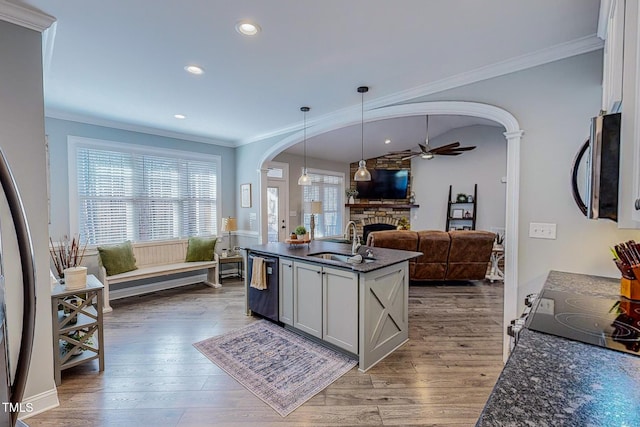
x: 55, y: 114
x: 519, y: 63
x: 25, y: 16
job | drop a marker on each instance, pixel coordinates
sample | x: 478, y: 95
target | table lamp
x: 229, y: 224
x: 316, y: 208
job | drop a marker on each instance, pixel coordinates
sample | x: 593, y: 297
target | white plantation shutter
x: 200, y: 208
x: 327, y: 187
x: 141, y: 196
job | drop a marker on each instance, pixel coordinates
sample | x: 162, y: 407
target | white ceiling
x: 120, y: 63
x: 404, y: 132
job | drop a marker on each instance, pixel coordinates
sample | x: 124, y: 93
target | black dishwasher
x: 265, y: 302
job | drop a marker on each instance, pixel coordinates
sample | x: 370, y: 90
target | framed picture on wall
x: 245, y: 195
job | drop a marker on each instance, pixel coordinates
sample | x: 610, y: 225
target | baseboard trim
x: 156, y: 286
x: 40, y: 403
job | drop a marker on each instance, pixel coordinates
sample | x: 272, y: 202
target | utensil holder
x: 630, y: 289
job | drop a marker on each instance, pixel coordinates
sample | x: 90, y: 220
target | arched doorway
x: 513, y: 135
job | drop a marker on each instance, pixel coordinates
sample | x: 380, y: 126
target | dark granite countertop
x: 552, y: 381
x: 382, y: 257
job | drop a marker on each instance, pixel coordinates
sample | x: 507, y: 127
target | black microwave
x: 598, y: 164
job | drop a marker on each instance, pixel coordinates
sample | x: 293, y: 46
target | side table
x: 495, y: 272
x: 77, y: 326
x: 235, y: 259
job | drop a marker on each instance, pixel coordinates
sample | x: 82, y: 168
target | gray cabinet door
x: 307, y: 293
x: 340, y: 308
x: 286, y: 291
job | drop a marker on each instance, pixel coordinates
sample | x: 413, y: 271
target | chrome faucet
x: 355, y: 244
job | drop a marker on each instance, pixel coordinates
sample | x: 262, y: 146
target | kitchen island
x: 553, y: 381
x: 358, y: 308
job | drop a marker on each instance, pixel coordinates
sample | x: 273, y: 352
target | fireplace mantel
x: 381, y: 205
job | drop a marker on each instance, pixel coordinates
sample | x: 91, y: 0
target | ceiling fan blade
x: 403, y: 154
x: 453, y: 150
x: 424, y: 148
x: 411, y: 156
x: 448, y: 153
x: 445, y: 147
x: 400, y: 152
x: 465, y: 148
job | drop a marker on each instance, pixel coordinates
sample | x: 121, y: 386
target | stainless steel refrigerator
x: 12, y: 390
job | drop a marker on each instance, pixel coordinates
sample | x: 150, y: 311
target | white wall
x: 295, y: 167
x: 22, y: 140
x: 553, y: 104
x: 484, y: 166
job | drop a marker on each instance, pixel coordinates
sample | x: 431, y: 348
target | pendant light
x: 304, y: 178
x: 362, y: 174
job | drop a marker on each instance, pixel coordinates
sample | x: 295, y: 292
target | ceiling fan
x: 426, y: 152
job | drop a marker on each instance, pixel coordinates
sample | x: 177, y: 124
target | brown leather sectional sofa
x: 453, y: 255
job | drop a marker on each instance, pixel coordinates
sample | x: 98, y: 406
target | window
x: 327, y: 187
x: 275, y: 172
x: 128, y: 192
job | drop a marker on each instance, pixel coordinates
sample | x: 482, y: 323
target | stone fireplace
x: 375, y: 215
x: 378, y: 223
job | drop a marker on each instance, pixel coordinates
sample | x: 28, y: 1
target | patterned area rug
x: 278, y: 366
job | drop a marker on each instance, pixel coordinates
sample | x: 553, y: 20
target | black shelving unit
x: 461, y: 215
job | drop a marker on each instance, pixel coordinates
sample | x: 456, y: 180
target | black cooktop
x: 610, y: 323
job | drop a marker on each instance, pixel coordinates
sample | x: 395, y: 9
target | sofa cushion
x: 404, y: 240
x: 434, y: 246
x: 200, y: 249
x: 117, y: 259
x: 432, y: 264
x: 469, y: 254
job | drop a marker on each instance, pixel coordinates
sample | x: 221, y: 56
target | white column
x: 510, y: 311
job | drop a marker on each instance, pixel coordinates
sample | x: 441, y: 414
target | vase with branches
x: 66, y: 253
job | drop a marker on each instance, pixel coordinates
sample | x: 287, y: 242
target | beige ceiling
x: 120, y: 63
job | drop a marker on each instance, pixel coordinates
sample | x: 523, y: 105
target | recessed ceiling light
x: 180, y: 116
x: 387, y: 141
x: 194, y: 69
x: 247, y: 28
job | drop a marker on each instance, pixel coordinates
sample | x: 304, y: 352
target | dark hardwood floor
x: 155, y: 377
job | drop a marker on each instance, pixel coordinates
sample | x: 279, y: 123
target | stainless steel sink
x: 332, y: 256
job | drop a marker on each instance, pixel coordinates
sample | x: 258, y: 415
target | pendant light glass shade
x: 304, y: 178
x: 362, y: 174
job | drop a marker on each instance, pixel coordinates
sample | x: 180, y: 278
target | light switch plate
x: 293, y: 213
x: 542, y: 230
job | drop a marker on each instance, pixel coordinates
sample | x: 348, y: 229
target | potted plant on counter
x: 301, y: 232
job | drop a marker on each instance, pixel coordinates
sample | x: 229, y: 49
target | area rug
x: 278, y: 366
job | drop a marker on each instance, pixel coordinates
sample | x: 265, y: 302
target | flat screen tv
x: 384, y: 184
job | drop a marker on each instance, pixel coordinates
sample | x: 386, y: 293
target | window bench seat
x: 158, y: 259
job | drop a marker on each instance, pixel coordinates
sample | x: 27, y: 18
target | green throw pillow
x: 200, y: 249
x: 117, y: 259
